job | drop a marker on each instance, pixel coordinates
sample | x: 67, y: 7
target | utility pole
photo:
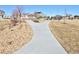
x: 65, y: 16
x: 65, y: 12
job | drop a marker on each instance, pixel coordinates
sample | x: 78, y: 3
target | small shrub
x: 36, y: 21
x: 14, y: 22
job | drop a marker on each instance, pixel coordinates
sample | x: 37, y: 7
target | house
x: 28, y: 16
x: 7, y: 17
x: 33, y: 16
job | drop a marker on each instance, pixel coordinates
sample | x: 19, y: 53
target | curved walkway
x: 42, y: 41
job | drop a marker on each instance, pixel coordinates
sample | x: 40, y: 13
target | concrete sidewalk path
x: 42, y: 41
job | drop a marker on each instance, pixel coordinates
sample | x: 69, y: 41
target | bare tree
x: 16, y: 15
x: 18, y: 12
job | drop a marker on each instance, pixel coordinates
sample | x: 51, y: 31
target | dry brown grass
x: 67, y: 34
x: 11, y: 39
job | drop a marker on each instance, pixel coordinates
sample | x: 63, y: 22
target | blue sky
x: 46, y: 9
